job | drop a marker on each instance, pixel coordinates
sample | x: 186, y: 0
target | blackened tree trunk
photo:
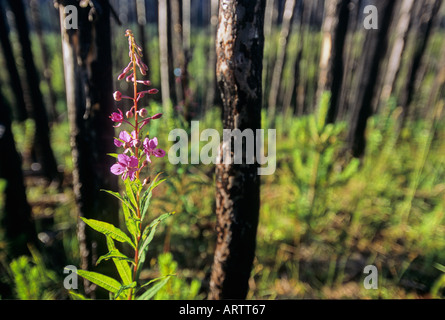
x: 281, y: 57
x: 335, y: 27
x: 428, y: 12
x: 374, y: 50
x: 16, y: 220
x: 42, y: 145
x: 8, y: 55
x: 89, y: 89
x: 36, y: 19
x: 239, y: 47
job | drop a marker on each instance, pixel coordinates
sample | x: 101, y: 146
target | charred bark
x: 42, y: 145
x: 374, y: 48
x: 239, y: 47
x: 15, y: 83
x: 88, y: 82
x: 335, y: 27
x: 16, y: 221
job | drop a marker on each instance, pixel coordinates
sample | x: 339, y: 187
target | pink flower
x: 117, y: 117
x: 125, y: 166
x: 150, y: 148
x: 127, y: 140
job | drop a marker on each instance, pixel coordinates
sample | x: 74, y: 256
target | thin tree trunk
x: 428, y: 21
x: 211, y: 89
x: 163, y: 53
x: 35, y: 14
x: 374, y: 50
x: 17, y: 216
x: 335, y: 27
x: 180, y: 59
x: 351, y: 62
x: 15, y: 82
x: 42, y: 145
x: 398, y: 49
x: 240, y: 43
x: 88, y: 82
x: 281, y: 57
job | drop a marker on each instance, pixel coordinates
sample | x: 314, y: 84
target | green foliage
x: 177, y: 288
x: 31, y: 279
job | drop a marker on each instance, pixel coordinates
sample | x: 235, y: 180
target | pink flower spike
x: 127, y: 166
x: 117, y: 117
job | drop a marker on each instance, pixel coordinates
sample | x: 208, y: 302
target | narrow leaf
x: 130, y: 193
x: 114, y: 254
x: 123, y: 288
x: 121, y: 265
x: 108, y: 230
x: 147, y: 295
x: 77, y: 296
x: 147, y: 237
x: 101, y: 280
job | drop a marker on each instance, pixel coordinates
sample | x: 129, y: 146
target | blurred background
x: 358, y: 112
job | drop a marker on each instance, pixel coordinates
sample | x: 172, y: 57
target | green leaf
x: 114, y: 254
x: 147, y: 237
x: 130, y: 222
x: 108, y: 230
x: 146, y: 197
x: 77, y: 296
x: 114, y: 155
x: 130, y: 193
x: 147, y: 295
x: 125, y: 200
x: 123, y: 288
x: 101, y: 280
x: 121, y: 265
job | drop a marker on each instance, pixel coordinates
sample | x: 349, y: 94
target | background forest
x: 359, y: 117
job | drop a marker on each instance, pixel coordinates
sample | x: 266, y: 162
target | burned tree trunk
x: 42, y: 145
x: 335, y: 27
x: 398, y: 48
x: 281, y: 57
x: 15, y: 83
x: 374, y: 50
x: 428, y: 20
x: 239, y: 47
x: 88, y: 82
x: 16, y: 221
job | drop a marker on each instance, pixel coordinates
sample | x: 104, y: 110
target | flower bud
x: 129, y: 114
x: 117, y: 96
x: 156, y: 116
x: 153, y: 91
x: 143, y: 112
x: 137, y: 143
x: 146, y: 180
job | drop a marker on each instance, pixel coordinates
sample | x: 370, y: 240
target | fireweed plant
x: 137, y: 155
